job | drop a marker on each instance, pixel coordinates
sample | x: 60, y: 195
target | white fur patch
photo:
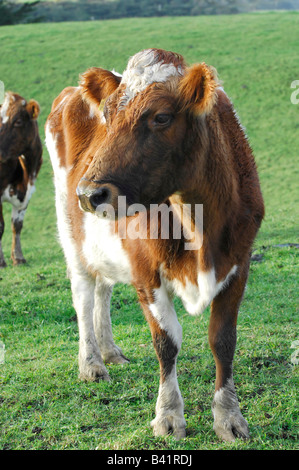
x: 116, y: 73
x: 164, y: 312
x: 142, y: 70
x: 60, y: 181
x: 4, y: 108
x: 197, y: 297
x: 103, y: 250
x: 18, y: 205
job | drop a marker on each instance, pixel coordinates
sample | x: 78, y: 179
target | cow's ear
x: 98, y: 84
x: 33, y: 109
x: 197, y: 89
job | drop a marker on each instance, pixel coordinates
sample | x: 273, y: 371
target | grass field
x: 43, y: 404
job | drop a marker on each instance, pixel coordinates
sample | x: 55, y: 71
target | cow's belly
x: 196, y: 297
x: 103, y: 250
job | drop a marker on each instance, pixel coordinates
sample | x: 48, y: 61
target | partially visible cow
x: 169, y: 135
x: 20, y: 162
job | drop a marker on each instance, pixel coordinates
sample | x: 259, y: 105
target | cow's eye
x: 162, y: 119
x: 18, y: 123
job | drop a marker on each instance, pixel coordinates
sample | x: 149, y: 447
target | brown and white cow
x: 20, y: 162
x: 169, y: 134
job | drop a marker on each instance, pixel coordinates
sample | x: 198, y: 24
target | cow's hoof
x: 235, y: 426
x: 2, y: 264
x: 115, y: 357
x: 168, y: 425
x: 228, y: 420
x: 94, y: 373
x: 17, y: 261
x: 117, y: 360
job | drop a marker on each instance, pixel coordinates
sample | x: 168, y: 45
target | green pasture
x: 43, y: 404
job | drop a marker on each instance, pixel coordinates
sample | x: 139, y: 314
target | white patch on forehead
x: 142, y: 70
x: 7, y: 100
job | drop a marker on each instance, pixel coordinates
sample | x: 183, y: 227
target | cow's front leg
x: 228, y: 420
x: 2, y: 260
x: 17, y: 219
x: 91, y: 366
x: 167, y: 338
x: 102, y: 324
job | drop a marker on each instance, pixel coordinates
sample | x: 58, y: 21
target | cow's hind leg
x: 228, y: 420
x: 2, y: 260
x: 91, y: 365
x: 17, y: 218
x: 102, y: 324
x: 167, y: 338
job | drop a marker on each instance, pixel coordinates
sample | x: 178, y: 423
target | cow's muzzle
x: 98, y: 198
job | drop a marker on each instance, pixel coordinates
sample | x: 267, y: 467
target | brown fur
x: 197, y: 88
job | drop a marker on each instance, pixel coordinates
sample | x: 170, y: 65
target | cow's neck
x: 7, y: 172
x: 32, y: 157
x: 218, y: 201
x: 213, y: 185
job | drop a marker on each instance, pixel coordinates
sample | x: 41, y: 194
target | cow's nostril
x: 100, y: 196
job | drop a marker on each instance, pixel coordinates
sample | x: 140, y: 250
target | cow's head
x: 17, y: 126
x: 153, y: 117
